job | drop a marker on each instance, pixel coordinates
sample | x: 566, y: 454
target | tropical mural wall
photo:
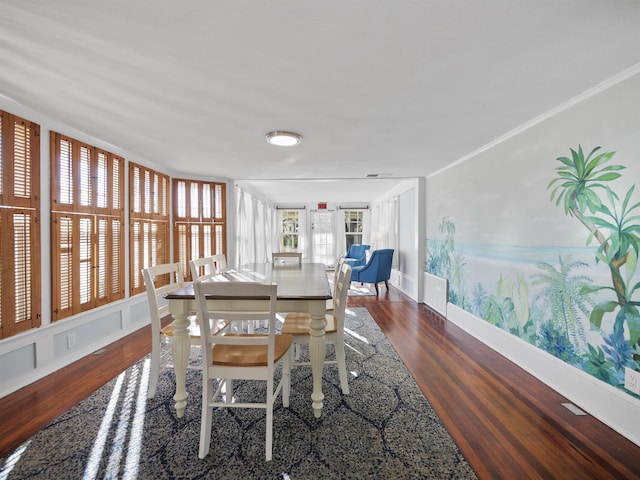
x: 540, y: 235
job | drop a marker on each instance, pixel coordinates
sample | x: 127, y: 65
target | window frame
x: 289, y: 228
x: 353, y: 236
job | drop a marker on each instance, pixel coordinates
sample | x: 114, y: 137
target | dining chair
x: 329, y: 305
x: 230, y: 356
x: 207, y: 267
x: 287, y: 258
x: 297, y: 324
x: 158, y: 280
x: 220, y: 262
x: 336, y: 271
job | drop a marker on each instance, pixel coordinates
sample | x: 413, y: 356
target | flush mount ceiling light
x: 283, y: 139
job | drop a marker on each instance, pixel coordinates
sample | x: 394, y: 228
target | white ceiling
x: 395, y: 87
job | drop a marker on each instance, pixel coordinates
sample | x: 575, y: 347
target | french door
x: 323, y: 245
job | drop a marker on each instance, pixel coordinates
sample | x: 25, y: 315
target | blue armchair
x: 356, y: 255
x: 377, y: 269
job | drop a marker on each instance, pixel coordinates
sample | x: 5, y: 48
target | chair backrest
x: 206, y: 267
x: 379, y: 265
x: 158, y: 280
x: 254, y: 301
x: 340, y: 294
x: 357, y: 250
x: 287, y: 257
x: 220, y: 262
x: 336, y: 273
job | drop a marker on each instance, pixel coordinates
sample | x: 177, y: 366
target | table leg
x: 180, y: 347
x: 317, y: 352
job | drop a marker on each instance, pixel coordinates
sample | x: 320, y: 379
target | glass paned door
x: 323, y: 247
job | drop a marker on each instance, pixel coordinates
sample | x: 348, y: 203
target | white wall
x: 410, y: 252
x: 31, y: 355
x: 499, y: 201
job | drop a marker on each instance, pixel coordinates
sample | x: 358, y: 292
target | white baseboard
x: 611, y: 406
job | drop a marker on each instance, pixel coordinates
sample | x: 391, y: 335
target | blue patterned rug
x: 384, y: 429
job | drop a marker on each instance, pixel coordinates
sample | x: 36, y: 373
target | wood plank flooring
x: 508, y: 424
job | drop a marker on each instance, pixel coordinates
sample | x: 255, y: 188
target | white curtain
x: 303, y: 234
x: 255, y: 228
x: 341, y: 241
x: 366, y: 227
x: 384, y: 230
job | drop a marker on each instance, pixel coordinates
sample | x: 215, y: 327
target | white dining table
x: 301, y: 288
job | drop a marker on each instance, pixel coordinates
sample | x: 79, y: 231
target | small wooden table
x: 301, y: 288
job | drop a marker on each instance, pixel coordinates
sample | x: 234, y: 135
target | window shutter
x: 87, y: 216
x: 19, y: 225
x: 199, y: 216
x: 149, y: 222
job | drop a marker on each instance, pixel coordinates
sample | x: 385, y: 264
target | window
x: 148, y: 223
x: 289, y: 231
x: 353, y: 226
x: 20, y: 307
x: 87, y: 217
x: 199, y: 214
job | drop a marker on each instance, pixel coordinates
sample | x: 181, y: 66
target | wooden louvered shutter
x: 199, y: 220
x: 149, y: 223
x: 87, y: 186
x: 19, y: 225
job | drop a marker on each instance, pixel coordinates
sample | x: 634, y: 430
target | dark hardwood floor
x: 507, y: 424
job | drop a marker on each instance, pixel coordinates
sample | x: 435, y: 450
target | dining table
x: 301, y: 288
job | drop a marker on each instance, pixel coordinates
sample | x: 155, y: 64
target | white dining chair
x: 297, y: 324
x: 220, y: 262
x: 159, y: 280
x: 230, y: 356
x: 207, y: 267
x: 336, y: 272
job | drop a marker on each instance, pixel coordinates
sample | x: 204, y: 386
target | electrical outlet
x: 632, y: 380
x: 71, y: 340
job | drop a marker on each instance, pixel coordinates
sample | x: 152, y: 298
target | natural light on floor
x: 136, y: 392
x: 128, y: 436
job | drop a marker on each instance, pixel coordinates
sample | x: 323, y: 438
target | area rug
x: 384, y: 429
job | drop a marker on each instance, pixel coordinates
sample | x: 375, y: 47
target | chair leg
x: 155, y: 371
x: 228, y: 383
x: 342, y: 366
x: 386, y: 284
x: 269, y: 435
x: 377, y: 292
x: 286, y: 378
x: 207, y: 417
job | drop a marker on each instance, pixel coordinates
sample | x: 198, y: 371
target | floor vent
x: 98, y: 352
x: 573, y: 409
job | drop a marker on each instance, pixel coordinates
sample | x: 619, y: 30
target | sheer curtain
x: 255, y: 229
x: 384, y: 231
x: 303, y: 234
x: 341, y: 242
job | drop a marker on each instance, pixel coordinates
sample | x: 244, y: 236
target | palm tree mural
x: 612, y: 225
x: 561, y: 294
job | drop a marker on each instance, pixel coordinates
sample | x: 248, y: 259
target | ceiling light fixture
x: 283, y: 139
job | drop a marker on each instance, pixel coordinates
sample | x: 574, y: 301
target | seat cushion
x: 298, y: 324
x: 250, y: 355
